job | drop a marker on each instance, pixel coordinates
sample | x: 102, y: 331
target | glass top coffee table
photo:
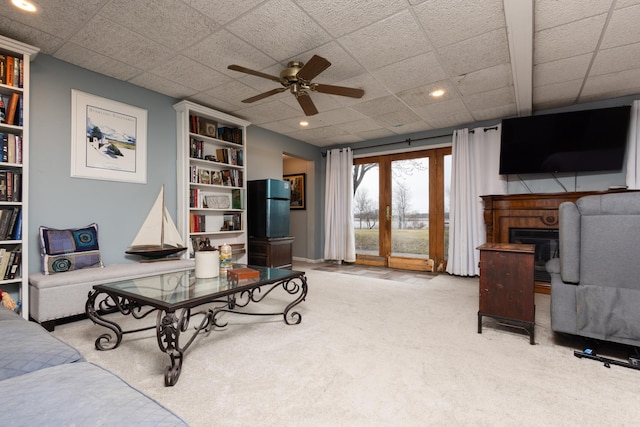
x: 181, y: 300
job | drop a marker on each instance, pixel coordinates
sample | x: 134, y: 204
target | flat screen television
x: 580, y: 141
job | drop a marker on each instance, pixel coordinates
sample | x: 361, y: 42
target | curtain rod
x: 406, y: 141
x: 409, y: 140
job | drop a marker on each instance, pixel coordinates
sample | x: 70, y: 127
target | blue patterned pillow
x: 72, y: 249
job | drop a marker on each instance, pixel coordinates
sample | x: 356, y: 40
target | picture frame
x: 298, y: 185
x: 108, y: 139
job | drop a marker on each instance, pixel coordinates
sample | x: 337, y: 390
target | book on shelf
x: 17, y: 229
x: 216, y: 178
x: 230, y: 134
x: 4, y: 260
x: 204, y: 176
x: 13, y: 265
x: 11, y: 109
x: 4, y: 273
x: 8, y: 219
x: 236, y: 199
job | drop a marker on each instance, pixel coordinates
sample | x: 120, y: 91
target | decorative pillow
x: 66, y: 250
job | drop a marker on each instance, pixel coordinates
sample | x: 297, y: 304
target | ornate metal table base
x: 170, y: 325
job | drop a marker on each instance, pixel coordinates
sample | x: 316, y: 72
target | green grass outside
x: 407, y: 241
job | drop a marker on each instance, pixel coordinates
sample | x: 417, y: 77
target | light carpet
x: 372, y: 352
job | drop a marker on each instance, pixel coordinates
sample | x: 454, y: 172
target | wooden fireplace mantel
x: 534, y: 211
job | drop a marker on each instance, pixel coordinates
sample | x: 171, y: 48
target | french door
x: 401, y: 209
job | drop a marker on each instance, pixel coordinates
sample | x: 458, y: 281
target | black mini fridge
x: 268, y: 208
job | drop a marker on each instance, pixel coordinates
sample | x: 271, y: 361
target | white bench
x: 63, y: 295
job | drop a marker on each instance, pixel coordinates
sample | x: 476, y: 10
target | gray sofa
x: 595, y: 284
x: 43, y: 381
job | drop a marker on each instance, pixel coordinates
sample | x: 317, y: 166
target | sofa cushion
x: 71, y: 249
x: 27, y: 347
x: 79, y: 394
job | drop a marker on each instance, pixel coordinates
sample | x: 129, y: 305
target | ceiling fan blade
x: 264, y: 95
x: 338, y: 90
x: 311, y: 69
x: 253, y: 72
x: 307, y: 104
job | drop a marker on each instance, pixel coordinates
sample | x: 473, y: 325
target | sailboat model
x: 158, y: 237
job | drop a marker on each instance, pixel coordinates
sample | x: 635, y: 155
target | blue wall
x: 56, y: 199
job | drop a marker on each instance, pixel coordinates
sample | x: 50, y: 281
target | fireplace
x: 546, y: 243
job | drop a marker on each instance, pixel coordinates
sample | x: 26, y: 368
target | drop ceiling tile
x: 379, y: 106
x: 495, y: 113
x: 168, y: 22
x: 477, y: 53
x: 269, y: 112
x: 234, y: 92
x: 205, y: 99
x: 616, y: 59
x: 56, y: 18
x: 47, y: 43
x: 562, y: 90
x: 620, y: 4
x: 157, y: 84
x: 401, y: 117
x: 432, y: 112
x: 455, y: 120
x: 561, y: 70
x: 553, y: 13
x: 490, y: 99
x: 360, y: 125
x: 419, y: 96
x: 568, y: 40
x: 77, y: 55
x: 419, y: 126
x: 222, y: 49
x: 219, y: 10
x: 416, y: 71
x: 486, y: 79
x: 281, y: 28
x: 375, y: 134
x: 448, y: 22
x: 282, y: 126
x: 120, y: 43
x: 624, y: 81
x: 189, y: 73
x: 372, y: 89
x: 390, y: 40
x: 340, y: 17
x: 623, y: 28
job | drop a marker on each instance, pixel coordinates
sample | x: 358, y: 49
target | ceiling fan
x: 297, y: 79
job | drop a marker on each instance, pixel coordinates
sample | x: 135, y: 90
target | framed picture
x: 297, y: 183
x: 108, y: 139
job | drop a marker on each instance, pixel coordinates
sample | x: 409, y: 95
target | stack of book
x: 9, y: 263
x: 10, y: 223
x: 11, y: 70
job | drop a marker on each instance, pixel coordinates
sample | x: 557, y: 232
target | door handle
x: 388, y: 213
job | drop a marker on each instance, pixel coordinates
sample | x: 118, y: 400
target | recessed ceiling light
x: 437, y: 93
x: 304, y: 123
x: 24, y: 5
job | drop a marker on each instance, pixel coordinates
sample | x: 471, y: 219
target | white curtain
x: 633, y: 149
x: 475, y: 165
x: 339, y: 235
